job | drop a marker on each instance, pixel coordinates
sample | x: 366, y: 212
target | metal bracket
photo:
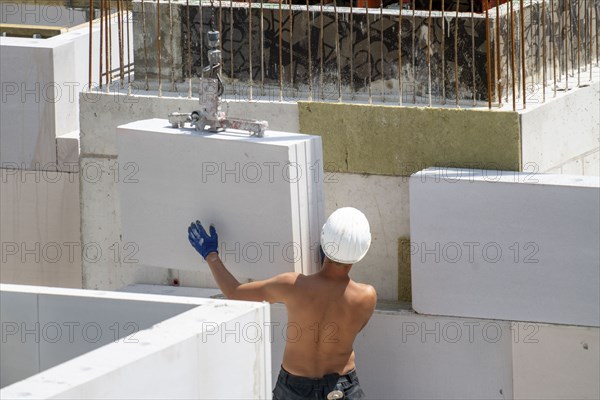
x: 210, y: 113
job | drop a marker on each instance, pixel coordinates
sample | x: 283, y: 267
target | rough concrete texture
x: 384, y: 200
x: 171, y: 57
x: 101, y: 113
x: 389, y: 140
x: 547, y: 147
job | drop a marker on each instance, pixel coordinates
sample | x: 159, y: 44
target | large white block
x: 506, y: 245
x: 40, y: 229
x: 20, y: 337
x: 41, y: 81
x: 74, y: 325
x: 555, y: 361
x: 185, y: 347
x: 264, y: 195
x: 27, y: 115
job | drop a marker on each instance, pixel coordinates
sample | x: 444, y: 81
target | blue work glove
x: 201, y: 241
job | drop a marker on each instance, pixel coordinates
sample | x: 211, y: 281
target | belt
x: 328, y: 381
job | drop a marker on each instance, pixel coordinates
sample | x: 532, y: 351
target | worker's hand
x: 201, y: 241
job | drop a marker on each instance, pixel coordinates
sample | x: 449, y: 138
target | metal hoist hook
x: 210, y: 117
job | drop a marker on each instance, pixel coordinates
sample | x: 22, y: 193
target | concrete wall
x: 131, y: 346
x: 505, y: 245
x: 555, y: 143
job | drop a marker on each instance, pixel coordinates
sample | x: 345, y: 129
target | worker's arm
x: 273, y: 290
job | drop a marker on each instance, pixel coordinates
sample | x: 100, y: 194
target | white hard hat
x: 346, y: 236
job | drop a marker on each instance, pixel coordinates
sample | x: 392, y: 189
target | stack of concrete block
x: 518, y: 247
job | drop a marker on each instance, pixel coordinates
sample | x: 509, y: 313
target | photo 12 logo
x: 71, y: 332
x: 35, y: 13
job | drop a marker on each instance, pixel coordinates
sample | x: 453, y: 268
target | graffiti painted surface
x: 327, y: 52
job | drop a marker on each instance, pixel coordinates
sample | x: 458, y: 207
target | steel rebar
x: 455, y: 50
x: 487, y: 53
x: 280, y: 52
x: 512, y: 54
x: 399, y: 51
x: 158, y: 41
x: 250, y: 74
x: 368, y: 48
x: 337, y: 52
x: 523, y: 67
x: 145, y: 49
x: 429, y: 52
x: 91, y: 13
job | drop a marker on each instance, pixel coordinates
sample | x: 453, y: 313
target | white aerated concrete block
x: 506, y: 245
x: 555, y: 361
x: 20, y: 338
x: 41, y: 81
x: 264, y: 196
x: 67, y: 152
x: 129, y: 345
x: 40, y: 228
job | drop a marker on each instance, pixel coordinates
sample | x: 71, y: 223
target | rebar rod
x: 172, y: 48
x: 368, y: 48
x: 443, y: 51
x: 189, y: 48
x: 146, y: 86
x: 120, y: 40
x: 337, y: 52
x: 291, y: 19
x: 321, y: 53
x: 429, y: 52
x: 498, y: 57
x: 351, y: 83
x: 100, y: 58
x: 280, y: 52
x: 91, y: 14
x: 381, y: 48
x: 158, y: 42
x: 399, y: 51
x: 413, y: 52
x: 566, y: 32
x: 512, y: 54
x: 553, y: 36
x: 523, y: 67
x: 308, y: 36
x: 544, y: 51
x: 455, y: 50
x: 250, y: 74
x: 487, y: 54
x: 473, y: 52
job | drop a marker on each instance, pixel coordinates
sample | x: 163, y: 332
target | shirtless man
x: 329, y: 308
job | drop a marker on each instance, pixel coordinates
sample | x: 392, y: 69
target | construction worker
x: 328, y: 308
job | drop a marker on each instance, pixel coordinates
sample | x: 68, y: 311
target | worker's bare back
x: 325, y: 313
